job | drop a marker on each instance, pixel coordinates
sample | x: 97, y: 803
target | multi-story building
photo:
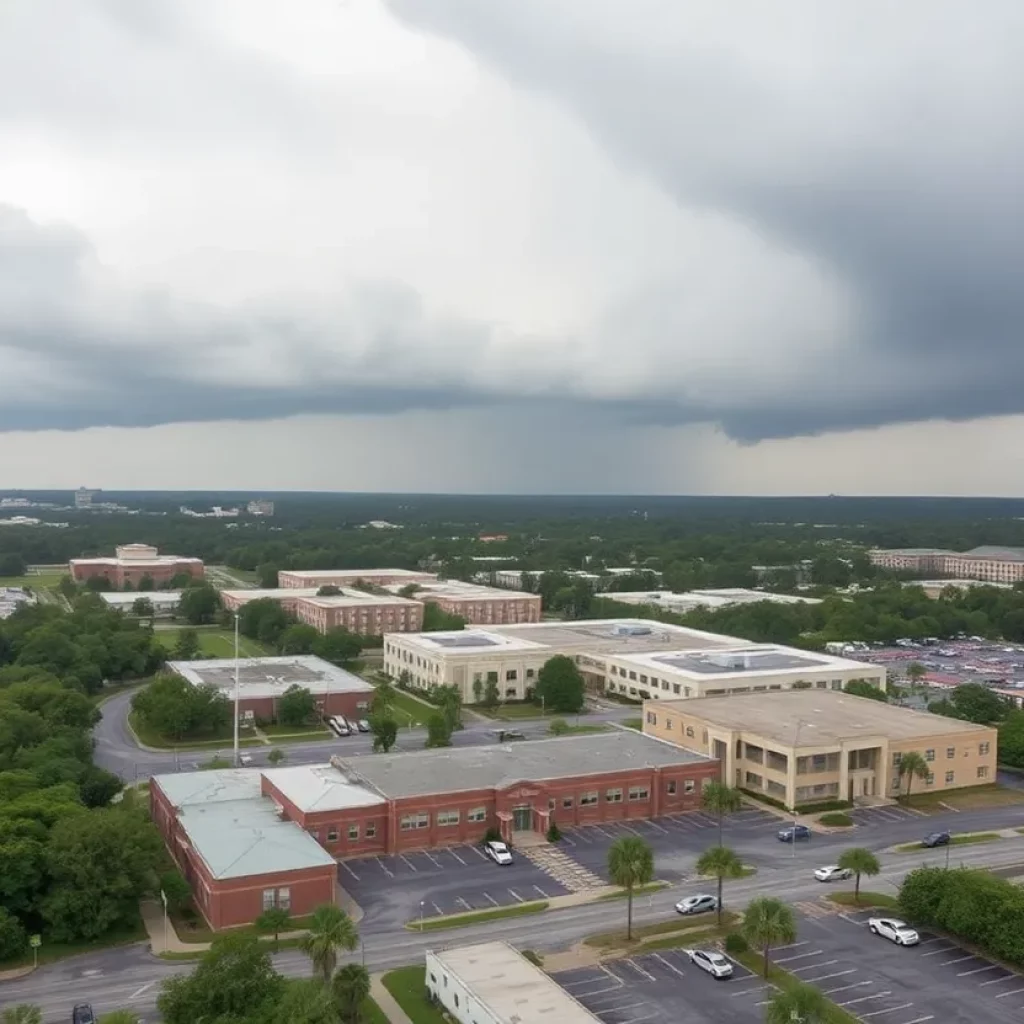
x: 360, y: 612
x: 83, y: 498
x: 689, y: 601
x: 987, y: 564
x: 164, y: 602
x: 476, y: 604
x: 252, y: 838
x: 289, y: 598
x: 316, y: 578
x: 133, y: 563
x: 813, y: 746
x: 260, y: 507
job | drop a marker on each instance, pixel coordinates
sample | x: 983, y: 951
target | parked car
x: 895, y: 931
x: 697, y: 904
x: 363, y: 725
x: 245, y: 759
x: 832, y: 873
x: 82, y: 1014
x: 714, y: 963
x: 794, y: 833
x: 498, y: 852
x: 936, y: 839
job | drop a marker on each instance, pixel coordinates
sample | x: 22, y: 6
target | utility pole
x: 236, y: 689
x: 796, y: 765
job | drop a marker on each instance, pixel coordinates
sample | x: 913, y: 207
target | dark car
x: 82, y: 1014
x: 794, y: 833
x: 936, y: 839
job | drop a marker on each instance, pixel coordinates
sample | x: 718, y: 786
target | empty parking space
x: 884, y: 815
x: 443, y: 881
x: 664, y: 988
x: 877, y: 981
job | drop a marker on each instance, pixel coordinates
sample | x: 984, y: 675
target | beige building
x: 478, y: 605
x: 360, y: 612
x: 316, y: 578
x: 987, y: 563
x: 811, y: 746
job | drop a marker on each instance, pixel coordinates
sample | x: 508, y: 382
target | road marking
x: 479, y: 853
x: 138, y: 992
x: 936, y: 952
x: 929, y: 941
x: 979, y: 970
x: 958, y: 960
x: 921, y: 1020
x: 349, y: 870
x: 611, y: 974
x: 543, y: 894
x: 637, y: 967
x: 1015, y: 992
x: 488, y: 896
x: 799, y: 956
x: 825, y: 977
x: 387, y: 871
x: 999, y: 981
x: 844, y: 988
x: 791, y: 945
x: 878, y: 1013
x: 814, y: 967
x: 864, y: 999
x: 431, y: 857
x: 408, y: 862
x: 440, y: 912
x: 629, y: 828
x: 671, y: 966
x: 459, y: 899
x: 516, y: 896
x: 566, y: 839
x: 654, y: 824
x: 457, y: 857
x: 609, y: 835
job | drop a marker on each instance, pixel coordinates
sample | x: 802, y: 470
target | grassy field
x: 867, y: 899
x: 970, y: 840
x: 196, y: 930
x: 634, y: 723
x: 276, y: 731
x: 969, y: 798
x: 150, y: 738
x: 408, y: 986
x: 215, y: 643
x: 676, y: 927
x: 640, y: 890
x: 434, y: 924
x: 410, y: 710
x: 52, y: 951
x: 42, y: 581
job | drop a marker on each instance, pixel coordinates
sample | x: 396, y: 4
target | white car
x: 714, y: 963
x: 832, y: 873
x: 697, y: 904
x: 498, y: 852
x: 895, y: 931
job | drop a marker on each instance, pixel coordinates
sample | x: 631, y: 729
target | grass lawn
x: 968, y: 840
x: 196, y: 930
x: 151, y: 738
x: 784, y: 980
x: 276, y: 729
x: 408, y: 986
x: 214, y: 643
x: 433, y: 924
x: 42, y: 581
x: 684, y: 926
x: 514, y: 712
x: 633, y: 723
x: 640, y: 890
x: 867, y: 899
x: 51, y: 951
x: 410, y: 710
x: 968, y: 798
x: 585, y: 730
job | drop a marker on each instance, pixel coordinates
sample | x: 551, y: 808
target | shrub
x: 836, y: 819
x: 824, y: 805
x: 736, y: 944
x: 554, y: 833
x: 492, y: 835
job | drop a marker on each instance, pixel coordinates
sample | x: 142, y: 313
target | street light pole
x: 236, y: 689
x: 796, y: 765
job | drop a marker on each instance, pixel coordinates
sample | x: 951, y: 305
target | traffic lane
x: 942, y: 982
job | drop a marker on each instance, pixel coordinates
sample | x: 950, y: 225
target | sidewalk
x: 386, y: 1001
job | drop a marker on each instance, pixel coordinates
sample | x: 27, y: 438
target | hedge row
x: 824, y: 805
x: 974, y: 906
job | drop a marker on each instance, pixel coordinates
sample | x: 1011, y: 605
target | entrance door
x: 522, y: 819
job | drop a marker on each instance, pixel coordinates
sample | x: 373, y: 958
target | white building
x: 690, y: 600
x: 13, y: 598
x: 165, y: 602
x: 492, y: 983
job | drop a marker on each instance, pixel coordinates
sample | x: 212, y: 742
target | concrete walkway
x: 386, y: 1001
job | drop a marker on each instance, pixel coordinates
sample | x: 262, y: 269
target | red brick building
x: 477, y: 604
x: 316, y: 578
x: 359, y: 612
x: 393, y: 803
x: 134, y: 563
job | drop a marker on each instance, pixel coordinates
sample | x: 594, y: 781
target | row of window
x: 352, y: 831
x: 929, y: 754
x: 444, y: 819
x: 981, y: 772
x: 277, y: 898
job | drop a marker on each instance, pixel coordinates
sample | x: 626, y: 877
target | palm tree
x: 803, y: 1003
x: 720, y: 799
x: 860, y: 862
x: 720, y: 862
x: 330, y: 929
x: 768, y: 922
x: 351, y: 987
x: 273, y: 921
x: 630, y: 863
x: 23, y: 1013
x: 912, y: 765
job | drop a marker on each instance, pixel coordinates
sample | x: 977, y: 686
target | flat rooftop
x: 270, y: 677
x: 706, y: 598
x: 824, y: 717
x: 117, y: 599
x: 355, y: 574
x: 319, y: 787
x: 234, y: 829
x: 276, y: 594
x: 350, y: 598
x: 457, y: 769
x: 513, y: 990
x: 736, y: 662
x: 460, y: 590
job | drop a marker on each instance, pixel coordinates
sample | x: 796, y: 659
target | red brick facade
x: 479, y: 610
x: 349, y: 704
x: 133, y: 572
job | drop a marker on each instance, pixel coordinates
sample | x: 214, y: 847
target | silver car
x: 708, y: 960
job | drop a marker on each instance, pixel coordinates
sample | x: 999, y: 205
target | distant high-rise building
x: 261, y: 507
x: 83, y: 497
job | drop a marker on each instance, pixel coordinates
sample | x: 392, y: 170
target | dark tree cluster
x: 265, y: 620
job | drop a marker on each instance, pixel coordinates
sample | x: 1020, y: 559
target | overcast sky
x: 520, y: 245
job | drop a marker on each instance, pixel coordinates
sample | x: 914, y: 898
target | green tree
x: 630, y: 866
x: 298, y: 638
x: 720, y: 862
x: 304, y: 1002
x: 912, y: 766
x: 973, y: 702
x: 351, y: 988
x: 296, y: 706
x: 328, y: 590
x: 384, y: 696
x: 915, y: 673
x: 768, y: 922
x: 13, y: 940
x: 802, y: 1003
x: 276, y: 756
x: 862, y: 688
x: 720, y: 800
x: 273, y: 921
x: 438, y: 732
x: 146, y: 583
x: 492, y: 695
x: 23, y: 1013
x: 1011, y: 740
x: 263, y: 619
x: 478, y: 690
x: 385, y: 731
x: 199, y: 605
x: 142, y: 607
x: 233, y: 982
x: 560, y: 685
x: 558, y: 727
x: 436, y: 620
x: 338, y: 646
x: 176, y: 889
x: 860, y: 862
x: 330, y: 930
x: 449, y: 700
x: 187, y: 646
x: 266, y: 576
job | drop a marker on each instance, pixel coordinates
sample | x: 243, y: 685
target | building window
x: 896, y: 758
x: 530, y: 673
x: 643, y: 678
x: 689, y: 732
x: 929, y: 779
x: 668, y: 724
x: 353, y: 833
x: 638, y: 793
x: 371, y: 829
x: 284, y: 899
x: 632, y: 675
x: 982, y: 749
x: 511, y: 674
x: 671, y: 787
x: 929, y: 755
x: 586, y: 799
x: 446, y: 818
x: 982, y: 771
x: 480, y: 813
x: 688, y: 786
x: 413, y: 821
x: 950, y: 751
x: 613, y: 796
x: 332, y: 835
x: 566, y: 802
x: 492, y: 677
x: 652, y: 718
x: 269, y: 898
x: 949, y: 777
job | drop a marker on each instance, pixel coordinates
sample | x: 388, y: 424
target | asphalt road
x: 130, y: 976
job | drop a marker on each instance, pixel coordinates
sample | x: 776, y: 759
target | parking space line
x: 1009, y: 976
x: 488, y: 896
x: 543, y: 894
x: 440, y: 912
x: 598, y: 828
x: 927, y: 942
x: 958, y: 960
x: 825, y: 977
x: 921, y: 1020
x: 814, y: 967
x: 799, y: 956
x: 891, y: 1009
x: 844, y: 988
x: 629, y: 828
x: 936, y: 952
x: 479, y: 853
x: 791, y: 945
x: 864, y: 999
x: 516, y: 896
x: 979, y: 970
x: 431, y: 858
x: 457, y: 857
x: 611, y: 974
x: 671, y: 966
x: 403, y: 857
x: 387, y: 871
x: 459, y: 899
x: 567, y: 840
x: 1015, y: 992
x: 637, y: 967
x: 655, y: 825
x: 349, y: 870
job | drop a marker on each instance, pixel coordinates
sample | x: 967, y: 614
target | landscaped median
x: 640, y: 890
x: 785, y: 981
x: 471, y: 917
x: 664, y: 934
x: 866, y: 900
x: 967, y: 839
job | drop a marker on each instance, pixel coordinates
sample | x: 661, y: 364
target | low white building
x: 691, y: 600
x: 492, y: 983
x: 165, y: 602
x: 13, y: 598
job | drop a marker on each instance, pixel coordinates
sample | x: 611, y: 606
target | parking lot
x: 677, y: 840
x: 665, y: 988
x: 884, y: 815
x: 880, y: 982
x: 398, y: 889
